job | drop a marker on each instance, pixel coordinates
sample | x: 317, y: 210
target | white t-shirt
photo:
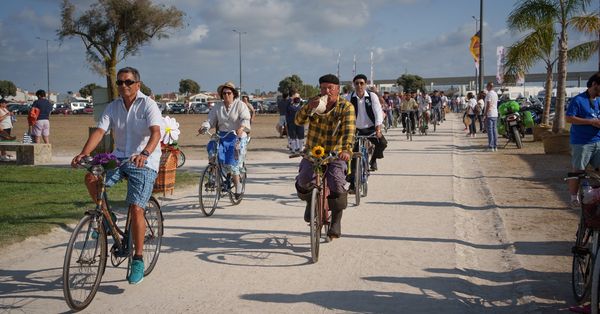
x: 131, y: 128
x: 491, y: 104
x: 5, y: 123
x: 471, y: 103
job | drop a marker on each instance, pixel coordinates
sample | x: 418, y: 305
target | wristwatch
x: 145, y: 153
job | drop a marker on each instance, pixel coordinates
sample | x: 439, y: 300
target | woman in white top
x: 471, y: 112
x: 5, y: 126
x: 231, y: 119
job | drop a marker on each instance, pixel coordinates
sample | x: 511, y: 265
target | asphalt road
x: 427, y: 239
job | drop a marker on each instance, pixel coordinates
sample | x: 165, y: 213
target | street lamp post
x: 476, y: 79
x: 47, y: 64
x: 240, y: 46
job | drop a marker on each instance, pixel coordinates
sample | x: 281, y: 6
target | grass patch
x: 36, y: 199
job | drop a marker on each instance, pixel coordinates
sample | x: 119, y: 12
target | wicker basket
x: 165, y: 181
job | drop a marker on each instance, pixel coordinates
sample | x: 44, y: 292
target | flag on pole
x: 474, y: 46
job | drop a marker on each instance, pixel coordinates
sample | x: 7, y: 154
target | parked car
x: 177, y: 108
x: 17, y: 108
x: 199, y: 107
x: 62, y: 109
x: 272, y: 107
x: 78, y: 106
x: 258, y: 106
x: 89, y: 109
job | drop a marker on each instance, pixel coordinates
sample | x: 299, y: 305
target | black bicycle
x: 215, y: 181
x: 361, y: 166
x: 86, y: 255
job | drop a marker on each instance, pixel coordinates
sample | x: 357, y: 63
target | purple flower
x: 108, y: 160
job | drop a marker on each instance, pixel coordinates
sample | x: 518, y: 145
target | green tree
x: 309, y: 91
x: 562, y: 15
x: 290, y: 84
x: 112, y: 30
x: 145, y: 89
x: 411, y: 82
x: 7, y: 88
x: 188, y: 86
x: 87, y: 90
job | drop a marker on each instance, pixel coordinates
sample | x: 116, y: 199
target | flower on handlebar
x: 170, y: 131
x: 107, y: 160
x: 318, y: 151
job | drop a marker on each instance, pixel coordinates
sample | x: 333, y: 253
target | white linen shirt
x: 131, y: 128
x: 228, y: 120
x: 362, y: 119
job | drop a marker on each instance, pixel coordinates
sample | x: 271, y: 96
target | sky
x: 429, y: 38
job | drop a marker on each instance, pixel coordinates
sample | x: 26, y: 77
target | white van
x: 77, y: 106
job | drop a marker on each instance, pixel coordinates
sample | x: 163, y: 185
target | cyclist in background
x: 424, y: 102
x: 436, y: 106
x: 134, y: 120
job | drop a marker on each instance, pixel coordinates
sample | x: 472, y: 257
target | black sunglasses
x: 126, y: 82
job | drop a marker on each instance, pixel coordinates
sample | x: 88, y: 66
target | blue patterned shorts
x: 140, y: 182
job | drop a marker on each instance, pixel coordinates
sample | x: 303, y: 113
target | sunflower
x: 318, y: 151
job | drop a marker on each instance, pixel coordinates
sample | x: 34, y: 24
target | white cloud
x: 313, y: 49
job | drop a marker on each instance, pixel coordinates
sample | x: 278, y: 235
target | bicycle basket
x: 165, y: 181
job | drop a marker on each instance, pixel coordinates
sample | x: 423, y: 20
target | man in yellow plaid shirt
x: 334, y: 130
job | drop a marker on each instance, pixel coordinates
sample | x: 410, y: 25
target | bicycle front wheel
x: 154, y: 234
x: 316, y: 218
x: 209, y: 189
x: 364, y: 181
x: 84, y: 263
x: 357, y: 180
x: 595, y: 285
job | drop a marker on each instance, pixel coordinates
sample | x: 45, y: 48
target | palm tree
x: 521, y: 56
x: 564, y: 14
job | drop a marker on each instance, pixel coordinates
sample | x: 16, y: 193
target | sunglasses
x: 126, y: 82
x: 227, y: 93
x: 359, y: 83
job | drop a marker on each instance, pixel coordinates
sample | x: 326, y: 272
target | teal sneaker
x: 137, y: 272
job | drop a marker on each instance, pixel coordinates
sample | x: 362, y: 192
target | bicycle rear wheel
x: 316, y: 218
x: 84, y: 263
x: 582, y: 264
x: 209, y: 189
x: 357, y: 180
x: 364, y: 181
x: 154, y: 233
x: 180, y: 159
x: 236, y: 200
x: 595, y: 285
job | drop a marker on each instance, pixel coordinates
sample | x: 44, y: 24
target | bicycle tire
x: 582, y: 264
x: 364, y: 186
x: 94, y: 263
x: 315, y: 224
x: 595, y: 285
x: 357, y: 180
x: 209, y: 189
x: 409, y: 129
x: 180, y: 159
x: 154, y: 233
x: 236, y: 200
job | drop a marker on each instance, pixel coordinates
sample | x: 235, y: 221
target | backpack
x: 34, y: 113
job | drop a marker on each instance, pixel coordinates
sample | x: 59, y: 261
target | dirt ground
x: 525, y: 184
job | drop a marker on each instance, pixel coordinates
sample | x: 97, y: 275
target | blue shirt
x: 581, y: 107
x: 45, y: 108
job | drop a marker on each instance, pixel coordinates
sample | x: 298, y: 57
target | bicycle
x: 86, y: 254
x: 361, y: 166
x: 422, y: 124
x: 320, y: 217
x: 586, y: 266
x: 409, y: 126
x: 435, y: 118
x: 215, y: 181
